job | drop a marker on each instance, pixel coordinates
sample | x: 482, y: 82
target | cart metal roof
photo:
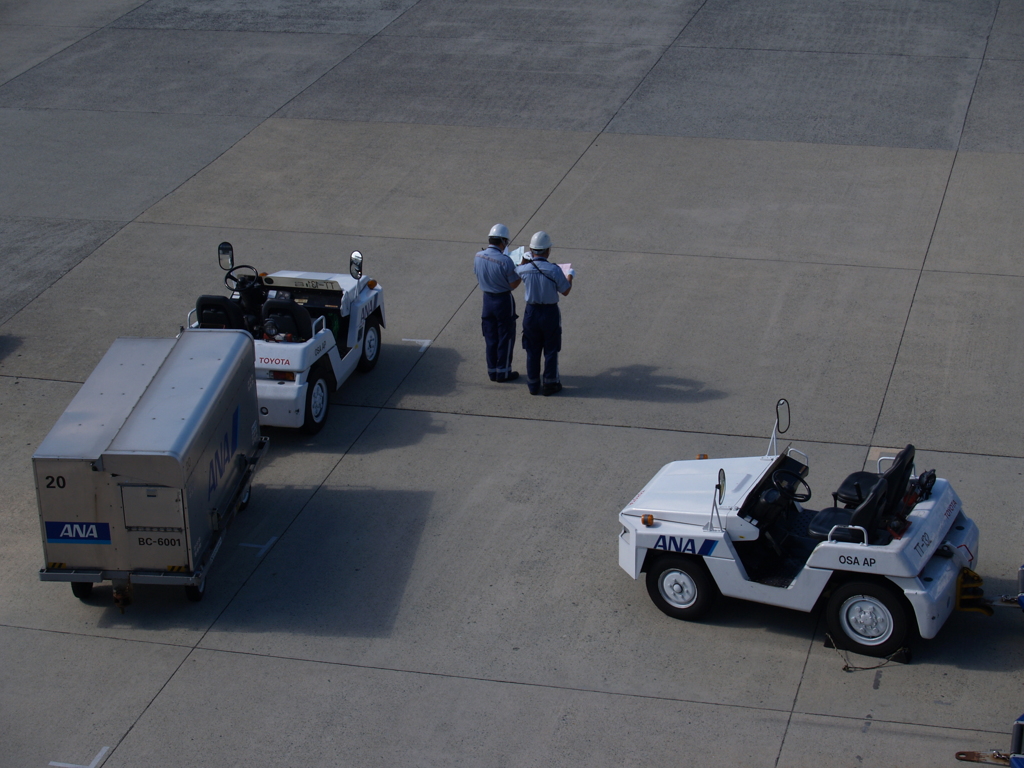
x: 186, y: 387
x: 145, y: 396
x: 106, y: 400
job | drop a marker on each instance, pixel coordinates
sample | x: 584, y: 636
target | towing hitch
x: 969, y: 594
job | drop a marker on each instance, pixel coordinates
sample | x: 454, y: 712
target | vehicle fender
x: 333, y: 358
x: 363, y: 308
x: 639, y: 543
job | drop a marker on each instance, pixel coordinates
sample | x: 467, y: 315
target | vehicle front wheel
x: 81, y: 589
x: 867, y: 618
x: 371, y: 346
x: 680, y: 587
x: 318, y: 402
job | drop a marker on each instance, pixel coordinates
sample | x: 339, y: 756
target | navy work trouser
x: 542, y: 335
x: 499, y: 326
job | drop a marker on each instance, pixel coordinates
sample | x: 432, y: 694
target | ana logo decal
x: 222, y: 455
x: 77, y: 533
x: 673, y: 544
x: 368, y: 307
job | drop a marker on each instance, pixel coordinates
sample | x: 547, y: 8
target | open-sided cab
x: 891, y: 548
x: 311, y: 331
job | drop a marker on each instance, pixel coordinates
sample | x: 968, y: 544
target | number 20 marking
x: 55, y: 482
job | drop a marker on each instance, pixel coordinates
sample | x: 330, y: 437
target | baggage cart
x: 142, y: 474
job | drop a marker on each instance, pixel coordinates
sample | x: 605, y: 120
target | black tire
x: 318, y: 401
x: 195, y: 593
x: 81, y: 589
x: 371, y: 346
x: 680, y: 587
x: 243, y: 500
x: 867, y: 618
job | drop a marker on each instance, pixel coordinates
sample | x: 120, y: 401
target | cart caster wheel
x: 243, y: 501
x: 81, y: 589
x: 867, y: 618
x: 680, y: 587
x: 371, y: 346
x: 195, y: 594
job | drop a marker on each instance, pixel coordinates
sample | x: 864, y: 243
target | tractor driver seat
x: 283, y: 316
x: 867, y: 516
x: 219, y: 312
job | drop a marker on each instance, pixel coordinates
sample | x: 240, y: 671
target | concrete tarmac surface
x: 817, y: 201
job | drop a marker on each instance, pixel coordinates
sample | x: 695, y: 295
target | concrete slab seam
x: 924, y: 261
x: 362, y: 45
x: 583, y: 154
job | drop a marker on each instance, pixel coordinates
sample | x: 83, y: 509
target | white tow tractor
x: 311, y: 331
x: 894, y: 551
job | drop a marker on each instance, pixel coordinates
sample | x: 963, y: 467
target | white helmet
x: 540, y: 241
x: 499, y: 230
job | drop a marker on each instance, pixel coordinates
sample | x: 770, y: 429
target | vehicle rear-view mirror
x: 226, y: 256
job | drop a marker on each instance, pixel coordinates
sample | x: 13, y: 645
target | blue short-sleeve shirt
x: 543, y: 281
x: 494, y: 270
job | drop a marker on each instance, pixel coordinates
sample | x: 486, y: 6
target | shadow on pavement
x: 640, y: 382
x: 429, y: 372
x: 9, y: 345
x: 340, y: 569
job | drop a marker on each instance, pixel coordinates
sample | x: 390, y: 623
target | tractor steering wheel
x: 788, y: 484
x: 240, y: 282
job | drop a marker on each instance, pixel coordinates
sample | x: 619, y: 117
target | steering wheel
x: 788, y: 484
x: 236, y: 282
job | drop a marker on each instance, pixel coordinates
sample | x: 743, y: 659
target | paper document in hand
x: 565, y: 268
x: 517, y: 255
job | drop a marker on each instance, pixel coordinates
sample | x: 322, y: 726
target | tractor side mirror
x: 720, y: 488
x: 356, y: 265
x: 782, y: 415
x: 226, y: 256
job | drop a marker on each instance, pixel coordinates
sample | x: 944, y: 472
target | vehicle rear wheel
x: 81, y: 589
x: 195, y: 593
x: 867, y: 618
x: 371, y: 346
x: 318, y: 403
x: 680, y: 587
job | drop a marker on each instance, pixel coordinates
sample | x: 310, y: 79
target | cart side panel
x: 219, y: 468
x: 154, y: 520
x: 76, y: 534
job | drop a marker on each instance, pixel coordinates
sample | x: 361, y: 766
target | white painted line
x: 261, y: 547
x: 424, y: 343
x: 93, y: 764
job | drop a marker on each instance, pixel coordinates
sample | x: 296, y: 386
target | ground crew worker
x: 496, y: 275
x: 542, y: 322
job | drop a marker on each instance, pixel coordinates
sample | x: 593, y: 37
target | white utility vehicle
x: 893, y: 552
x: 312, y: 330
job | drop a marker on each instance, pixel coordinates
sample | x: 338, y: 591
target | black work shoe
x: 492, y: 377
x: 513, y: 375
x: 534, y: 391
x: 551, y: 389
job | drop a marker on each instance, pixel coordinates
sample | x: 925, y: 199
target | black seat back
x: 898, y: 477
x: 869, y: 514
x: 219, y: 312
x: 289, y: 317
